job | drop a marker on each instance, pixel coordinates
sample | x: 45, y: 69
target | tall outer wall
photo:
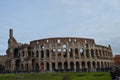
x: 60, y: 54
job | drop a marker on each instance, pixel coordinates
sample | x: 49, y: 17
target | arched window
x: 87, y: 53
x: 23, y: 54
x: 32, y: 54
x: 71, y: 52
x: 92, y: 53
x: 16, y: 53
x: 42, y: 54
x: 47, y: 53
x: 37, y: 54
x: 81, y: 51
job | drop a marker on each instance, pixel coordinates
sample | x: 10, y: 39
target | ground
x: 57, y: 76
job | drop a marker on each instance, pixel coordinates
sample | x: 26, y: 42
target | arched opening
x: 17, y: 65
x: 64, y: 46
x: 32, y: 54
x: 65, y: 66
x: 59, y: 66
x: 87, y: 53
x: 71, y: 66
x: 47, y: 67
x: 102, y: 66
x: 89, y: 65
x: 2, y: 68
x: 92, y: 53
x: 42, y: 54
x: 26, y: 66
x: 29, y: 54
x: 96, y: 51
x: 98, y: 66
x: 53, y: 66
x: 42, y: 66
x: 82, y: 52
x: 47, y: 53
x: 53, y: 53
x: 77, y: 66
x: 64, y: 53
x: 16, y: 53
x: 71, y: 52
x: 23, y: 53
x: 22, y: 67
x: 37, y: 67
x: 37, y: 54
x: 105, y: 64
x: 33, y: 64
x: 76, y: 53
x: 94, y: 65
x: 42, y: 47
x: 83, y: 65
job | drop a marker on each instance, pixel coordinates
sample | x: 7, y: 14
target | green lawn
x: 58, y: 76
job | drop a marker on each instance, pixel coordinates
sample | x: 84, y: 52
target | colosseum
x: 57, y: 54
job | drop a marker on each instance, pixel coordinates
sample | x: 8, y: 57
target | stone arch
x: 98, y: 64
x: 47, y: 66
x: 100, y: 53
x: 33, y: 64
x: 94, y: 64
x: 102, y: 65
x: 87, y: 53
x: 47, y: 53
x: 65, y: 66
x: 37, y: 67
x: 71, y: 66
x: 29, y: 54
x: 16, y: 53
x: 26, y: 67
x: 89, y: 65
x: 105, y: 64
x: 42, y: 54
x: 76, y: 52
x: 22, y: 67
x: 83, y: 65
x: 82, y: 52
x: 77, y: 66
x: 64, y: 53
x: 37, y: 53
x: 17, y: 64
x: 53, y: 66
x: 96, y: 51
x: 33, y: 55
x: 59, y: 66
x: 71, y: 52
x: 42, y: 66
x: 108, y: 64
x: 92, y: 53
x: 23, y: 54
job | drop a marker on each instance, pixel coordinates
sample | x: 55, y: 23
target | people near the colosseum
x: 113, y: 73
x: 118, y: 74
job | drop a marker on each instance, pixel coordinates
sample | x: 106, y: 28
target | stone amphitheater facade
x: 58, y: 54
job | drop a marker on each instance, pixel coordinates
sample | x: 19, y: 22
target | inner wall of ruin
x: 61, y: 54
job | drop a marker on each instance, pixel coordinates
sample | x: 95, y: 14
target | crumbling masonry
x: 57, y: 54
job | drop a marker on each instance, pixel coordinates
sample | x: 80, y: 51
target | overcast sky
x: 37, y: 19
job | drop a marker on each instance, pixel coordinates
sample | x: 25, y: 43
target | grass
x: 58, y: 76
